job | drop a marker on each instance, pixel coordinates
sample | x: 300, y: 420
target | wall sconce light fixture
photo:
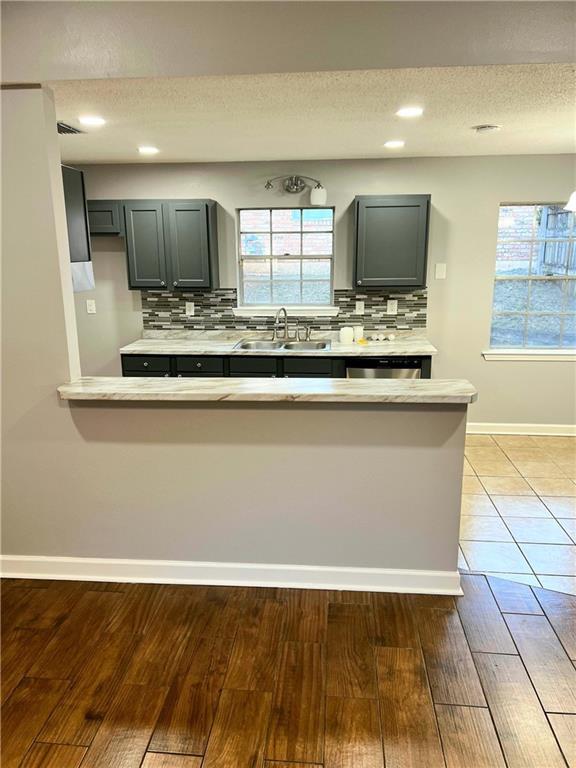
x: 296, y: 184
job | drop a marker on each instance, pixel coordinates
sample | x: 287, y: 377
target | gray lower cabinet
x: 391, y: 240
x: 106, y: 217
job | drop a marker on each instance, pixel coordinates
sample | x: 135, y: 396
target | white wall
x: 76, y: 40
x: 118, y: 318
x: 466, y: 193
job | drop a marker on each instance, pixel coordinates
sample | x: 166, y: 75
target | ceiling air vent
x: 65, y: 128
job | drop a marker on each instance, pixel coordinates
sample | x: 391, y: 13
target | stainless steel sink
x: 304, y: 345
x: 259, y: 345
x: 271, y: 346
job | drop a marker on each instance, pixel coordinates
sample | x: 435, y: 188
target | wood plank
x: 238, y: 735
x: 188, y: 713
x: 350, y: 667
x: 513, y: 597
x: 409, y: 730
x: 468, y: 737
x: 485, y: 629
x: 168, y: 630
x: 124, y: 734
x: 564, y: 726
x: 551, y: 671
x: 441, y: 602
x: 53, y: 756
x: 73, y: 643
x: 296, y: 730
x: 394, y: 621
x: 83, y: 707
x: 254, y: 661
x: 560, y: 610
x: 49, y: 608
x: 526, y: 738
x: 12, y: 605
x: 20, y: 650
x: 353, y: 738
x: 349, y: 596
x: 453, y: 677
x: 153, y: 760
x: 282, y: 764
x: 24, y: 715
x: 306, y: 615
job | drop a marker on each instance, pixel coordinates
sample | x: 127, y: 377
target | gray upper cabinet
x: 145, y: 244
x: 170, y: 244
x: 106, y: 217
x: 76, y: 217
x: 191, y: 244
x: 391, y: 240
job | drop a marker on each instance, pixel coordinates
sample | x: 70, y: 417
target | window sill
x: 531, y: 355
x: 269, y: 311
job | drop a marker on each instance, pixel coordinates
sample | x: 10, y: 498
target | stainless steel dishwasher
x: 384, y: 368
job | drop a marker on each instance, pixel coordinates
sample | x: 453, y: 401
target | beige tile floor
x: 519, y: 509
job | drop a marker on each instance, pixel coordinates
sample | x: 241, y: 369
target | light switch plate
x: 392, y: 307
x: 189, y: 309
x: 90, y: 306
x: 359, y: 307
x: 440, y: 271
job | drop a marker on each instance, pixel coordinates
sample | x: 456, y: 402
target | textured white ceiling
x: 323, y: 115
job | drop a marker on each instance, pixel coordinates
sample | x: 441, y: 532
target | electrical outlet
x: 359, y: 307
x: 440, y: 271
x: 90, y: 306
x: 189, y: 309
x: 392, y: 307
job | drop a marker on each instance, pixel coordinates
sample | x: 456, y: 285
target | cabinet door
x: 145, y: 244
x: 76, y: 218
x: 105, y: 217
x: 391, y: 240
x: 187, y: 243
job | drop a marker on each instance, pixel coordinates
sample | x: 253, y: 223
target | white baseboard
x: 498, y: 428
x: 231, y: 574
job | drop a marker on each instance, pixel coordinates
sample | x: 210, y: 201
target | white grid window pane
x: 286, y: 220
x: 286, y: 256
x: 534, y: 302
x: 256, y: 220
x: 286, y: 244
x: 255, y: 245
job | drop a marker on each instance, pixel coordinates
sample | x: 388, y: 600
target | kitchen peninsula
x: 320, y: 483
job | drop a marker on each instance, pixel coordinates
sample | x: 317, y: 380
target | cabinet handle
x: 146, y: 365
x: 359, y: 282
x: 179, y: 375
x: 162, y: 282
x: 198, y: 365
x: 166, y: 375
x: 175, y: 283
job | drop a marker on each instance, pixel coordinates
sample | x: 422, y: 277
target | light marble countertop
x: 376, y: 391
x: 223, y: 343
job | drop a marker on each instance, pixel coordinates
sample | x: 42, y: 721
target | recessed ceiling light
x: 148, y: 150
x: 394, y: 144
x: 92, y: 120
x: 410, y: 112
x: 486, y: 128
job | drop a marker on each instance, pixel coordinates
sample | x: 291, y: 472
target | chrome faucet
x: 277, y: 322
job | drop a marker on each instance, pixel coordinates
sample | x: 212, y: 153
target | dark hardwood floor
x: 101, y: 675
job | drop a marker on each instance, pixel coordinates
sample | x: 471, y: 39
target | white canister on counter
x: 346, y: 335
x: 358, y: 332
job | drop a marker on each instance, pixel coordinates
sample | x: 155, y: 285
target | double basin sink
x: 295, y: 346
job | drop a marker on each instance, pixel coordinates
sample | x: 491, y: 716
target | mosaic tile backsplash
x: 214, y: 311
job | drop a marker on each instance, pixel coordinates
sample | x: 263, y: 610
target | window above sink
x: 285, y: 258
